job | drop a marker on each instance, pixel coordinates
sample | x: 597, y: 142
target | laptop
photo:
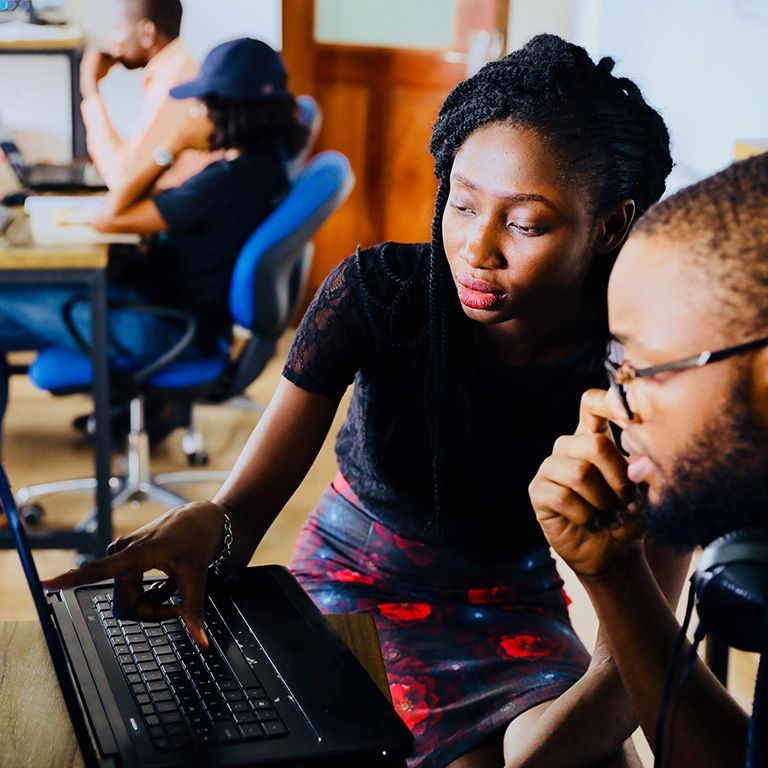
x: 276, y: 687
x: 47, y: 177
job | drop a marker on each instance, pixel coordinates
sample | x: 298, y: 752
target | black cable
x: 658, y: 746
x: 690, y: 661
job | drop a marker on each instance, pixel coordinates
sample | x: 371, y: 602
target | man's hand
x: 194, y: 133
x: 583, y: 499
x: 182, y: 543
x: 93, y: 69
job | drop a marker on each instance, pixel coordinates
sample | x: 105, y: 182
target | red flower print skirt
x: 468, y: 644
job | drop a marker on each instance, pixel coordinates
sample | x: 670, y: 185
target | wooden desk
x: 23, y: 261
x: 35, y: 731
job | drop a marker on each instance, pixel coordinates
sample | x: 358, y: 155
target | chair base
x: 137, y: 484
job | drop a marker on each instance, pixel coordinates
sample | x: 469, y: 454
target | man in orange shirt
x: 145, y: 34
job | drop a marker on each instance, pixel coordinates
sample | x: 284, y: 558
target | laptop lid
x: 52, y: 639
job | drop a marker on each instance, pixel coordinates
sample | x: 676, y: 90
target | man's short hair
x: 165, y: 14
x: 723, y: 223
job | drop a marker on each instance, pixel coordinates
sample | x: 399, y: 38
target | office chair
x: 267, y: 283
x: 311, y: 116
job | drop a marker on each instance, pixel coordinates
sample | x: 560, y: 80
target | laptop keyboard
x: 186, y: 696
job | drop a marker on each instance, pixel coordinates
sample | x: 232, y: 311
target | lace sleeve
x: 329, y: 345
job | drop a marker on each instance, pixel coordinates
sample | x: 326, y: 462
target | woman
x: 468, y: 355
x: 197, y: 229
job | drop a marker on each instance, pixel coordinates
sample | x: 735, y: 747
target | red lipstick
x: 477, y: 294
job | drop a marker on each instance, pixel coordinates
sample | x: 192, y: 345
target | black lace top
x: 368, y: 324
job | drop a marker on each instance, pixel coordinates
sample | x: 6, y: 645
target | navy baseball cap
x: 238, y: 69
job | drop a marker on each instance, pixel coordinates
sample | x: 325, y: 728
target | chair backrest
x: 310, y: 116
x: 270, y: 272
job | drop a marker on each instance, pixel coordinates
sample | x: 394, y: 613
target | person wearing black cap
x: 195, y: 231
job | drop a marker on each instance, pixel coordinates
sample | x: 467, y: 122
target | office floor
x: 40, y: 445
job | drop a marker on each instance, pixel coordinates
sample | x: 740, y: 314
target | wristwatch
x: 164, y: 157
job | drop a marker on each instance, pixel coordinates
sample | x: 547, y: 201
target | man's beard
x: 720, y: 485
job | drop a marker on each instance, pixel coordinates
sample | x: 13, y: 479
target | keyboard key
x: 267, y: 714
x: 161, y: 743
x: 143, y: 699
x: 155, y: 674
x: 160, y: 642
x: 245, y: 717
x: 133, y: 678
x: 171, y: 667
x: 156, y: 732
x: 274, y: 728
x: 139, y: 658
x: 167, y: 658
x: 124, y: 659
x: 147, y: 709
x: 152, y: 720
x: 226, y: 731
x: 167, y: 706
x: 157, y: 685
x: 252, y: 731
x: 147, y: 666
x: 239, y: 706
x: 219, y: 712
x: 177, y: 729
x: 154, y: 632
x: 165, y: 695
x: 261, y: 703
x: 169, y: 718
x: 227, y: 685
x: 138, y: 688
x: 255, y: 693
x: 180, y: 742
x: 233, y: 696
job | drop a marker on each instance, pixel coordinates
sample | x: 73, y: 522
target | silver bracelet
x: 226, y: 549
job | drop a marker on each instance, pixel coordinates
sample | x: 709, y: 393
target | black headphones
x: 731, y: 589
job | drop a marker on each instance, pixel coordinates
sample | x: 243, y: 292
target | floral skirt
x: 468, y: 643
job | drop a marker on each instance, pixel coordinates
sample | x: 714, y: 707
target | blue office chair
x: 311, y: 116
x: 268, y: 281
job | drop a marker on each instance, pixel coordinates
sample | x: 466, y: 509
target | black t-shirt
x: 209, y: 218
x: 494, y: 443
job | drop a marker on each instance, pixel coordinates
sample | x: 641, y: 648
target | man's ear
x: 146, y: 33
x: 613, y: 226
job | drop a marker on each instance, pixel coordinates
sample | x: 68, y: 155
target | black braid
x: 610, y: 140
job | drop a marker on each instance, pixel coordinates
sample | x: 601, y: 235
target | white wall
x: 702, y: 63
x: 34, y: 91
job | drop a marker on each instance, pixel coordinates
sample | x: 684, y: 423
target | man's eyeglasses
x: 621, y: 373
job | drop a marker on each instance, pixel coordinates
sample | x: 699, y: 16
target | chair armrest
x: 188, y: 326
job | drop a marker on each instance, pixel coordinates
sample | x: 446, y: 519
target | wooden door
x: 379, y: 103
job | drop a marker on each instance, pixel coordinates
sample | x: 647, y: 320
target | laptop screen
x: 52, y: 639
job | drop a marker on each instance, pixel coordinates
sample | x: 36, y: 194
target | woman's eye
x: 461, y: 207
x: 527, y: 229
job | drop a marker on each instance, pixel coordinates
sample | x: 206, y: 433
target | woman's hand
x: 194, y: 133
x: 583, y: 499
x: 182, y: 543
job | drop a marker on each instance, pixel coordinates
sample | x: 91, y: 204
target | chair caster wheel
x: 197, y: 459
x: 83, y: 558
x: 32, y: 514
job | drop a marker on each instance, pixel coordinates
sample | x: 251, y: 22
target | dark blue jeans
x: 31, y: 318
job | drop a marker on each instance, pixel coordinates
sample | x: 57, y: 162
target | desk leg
x: 103, y: 533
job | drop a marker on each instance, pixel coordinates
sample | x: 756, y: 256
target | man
x: 145, y: 34
x: 693, y: 277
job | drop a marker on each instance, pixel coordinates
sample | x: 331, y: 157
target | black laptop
x: 276, y: 687
x: 48, y: 177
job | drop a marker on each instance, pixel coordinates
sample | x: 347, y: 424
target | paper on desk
x: 15, y: 31
x: 58, y: 220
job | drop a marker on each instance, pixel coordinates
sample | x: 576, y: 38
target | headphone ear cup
x: 731, y: 587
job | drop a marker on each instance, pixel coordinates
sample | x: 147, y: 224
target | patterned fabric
x: 468, y: 643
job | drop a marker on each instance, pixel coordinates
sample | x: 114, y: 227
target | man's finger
x: 601, y: 452
x: 550, y: 499
x: 585, y: 479
x: 594, y: 413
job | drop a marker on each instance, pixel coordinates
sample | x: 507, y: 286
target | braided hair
x: 597, y: 125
